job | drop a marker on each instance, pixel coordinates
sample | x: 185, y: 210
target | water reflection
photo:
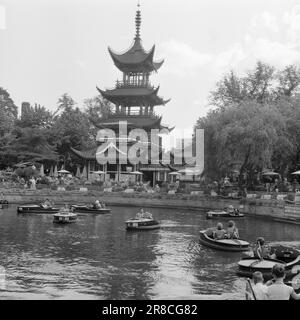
x: 96, y: 258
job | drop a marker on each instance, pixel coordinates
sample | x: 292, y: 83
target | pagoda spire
x: 138, y: 21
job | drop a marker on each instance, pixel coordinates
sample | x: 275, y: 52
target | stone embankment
x: 279, y: 210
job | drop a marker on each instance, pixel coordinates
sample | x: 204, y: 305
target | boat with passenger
x: 142, y: 221
x: 3, y: 201
x: 65, y: 215
x: 97, y: 208
x: 287, y: 256
x: 229, y: 212
x: 233, y: 245
x: 45, y: 207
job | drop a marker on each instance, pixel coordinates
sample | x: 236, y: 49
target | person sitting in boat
x: 261, y: 250
x: 230, y: 209
x: 103, y: 205
x: 140, y: 214
x: 210, y: 232
x: 232, y: 231
x: 220, y: 232
x: 46, y: 204
x: 148, y: 215
x: 143, y: 215
x: 236, y: 212
x: 97, y: 205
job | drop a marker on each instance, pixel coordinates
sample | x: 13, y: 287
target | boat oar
x: 250, y: 285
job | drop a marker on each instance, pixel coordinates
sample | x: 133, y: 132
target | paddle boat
x: 233, y: 245
x: 142, y: 221
x: 64, y: 216
x: 230, y: 212
x: 37, y: 208
x: 287, y: 256
x: 89, y: 209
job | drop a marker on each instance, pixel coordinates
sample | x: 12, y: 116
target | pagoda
x: 134, y: 99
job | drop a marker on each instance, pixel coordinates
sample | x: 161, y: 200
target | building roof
x: 134, y: 96
x: 89, y: 154
x: 136, y: 58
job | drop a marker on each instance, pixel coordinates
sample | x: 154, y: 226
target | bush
x: 44, y: 180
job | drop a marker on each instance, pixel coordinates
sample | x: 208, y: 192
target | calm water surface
x: 96, y: 258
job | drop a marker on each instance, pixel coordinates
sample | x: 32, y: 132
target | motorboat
x: 4, y: 202
x: 89, y: 209
x: 224, y: 214
x: 64, y: 216
x: 142, y: 224
x: 233, y: 245
x: 37, y: 208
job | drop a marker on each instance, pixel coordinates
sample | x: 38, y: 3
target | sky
x: 48, y: 47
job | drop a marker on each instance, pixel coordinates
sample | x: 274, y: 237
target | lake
x: 96, y: 258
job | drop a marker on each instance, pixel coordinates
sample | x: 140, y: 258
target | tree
x: 263, y: 84
x: 36, y: 116
x: 65, y: 103
x: 7, y: 105
x: 8, y: 115
x: 71, y: 128
x: 30, y: 144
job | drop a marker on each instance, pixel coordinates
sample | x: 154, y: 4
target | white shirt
x: 260, y: 291
x: 279, y: 291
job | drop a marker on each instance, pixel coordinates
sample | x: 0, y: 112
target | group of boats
x: 287, y: 256
x: 68, y: 214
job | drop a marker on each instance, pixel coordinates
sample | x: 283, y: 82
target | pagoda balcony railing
x: 135, y: 113
x: 135, y: 84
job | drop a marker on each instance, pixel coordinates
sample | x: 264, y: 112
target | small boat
x: 287, y: 256
x: 89, y: 209
x: 247, y: 266
x: 64, y: 216
x: 36, y: 208
x: 233, y: 245
x: 3, y: 202
x: 223, y: 214
x: 142, y: 224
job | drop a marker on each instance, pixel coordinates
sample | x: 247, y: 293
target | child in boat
x: 140, y: 214
x: 261, y: 250
x: 232, y: 231
x: 277, y: 290
x: 143, y: 215
x: 97, y: 205
x: 220, y: 232
x: 46, y: 204
x: 259, y: 289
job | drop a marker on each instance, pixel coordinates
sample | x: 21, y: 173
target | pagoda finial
x: 138, y: 21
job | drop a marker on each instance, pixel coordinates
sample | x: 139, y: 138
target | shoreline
x: 276, y: 210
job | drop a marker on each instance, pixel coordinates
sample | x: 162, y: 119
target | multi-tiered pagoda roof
x: 135, y: 90
x: 136, y: 58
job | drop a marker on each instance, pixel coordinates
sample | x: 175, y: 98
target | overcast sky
x: 52, y: 47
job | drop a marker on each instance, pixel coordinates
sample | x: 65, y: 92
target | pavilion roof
x: 89, y: 154
x: 133, y: 96
x: 136, y: 58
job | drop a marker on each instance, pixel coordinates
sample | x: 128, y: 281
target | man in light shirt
x: 277, y: 290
